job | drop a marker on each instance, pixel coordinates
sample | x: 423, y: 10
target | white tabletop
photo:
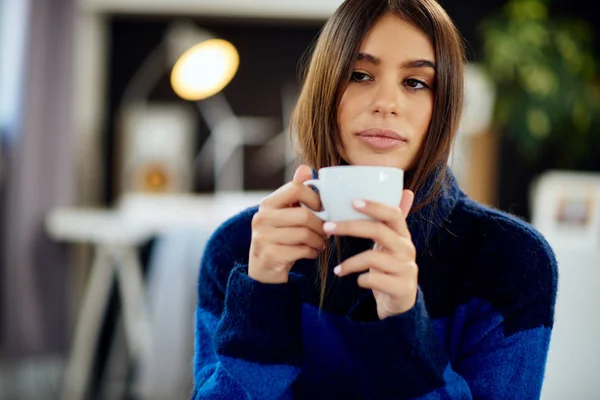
x: 140, y: 216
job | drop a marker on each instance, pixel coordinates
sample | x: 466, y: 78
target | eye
x: 358, y: 76
x: 416, y: 84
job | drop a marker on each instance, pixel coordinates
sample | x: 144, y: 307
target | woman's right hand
x: 284, y: 232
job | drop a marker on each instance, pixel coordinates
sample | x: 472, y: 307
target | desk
x: 116, y: 235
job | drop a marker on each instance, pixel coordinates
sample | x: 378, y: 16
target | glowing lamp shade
x: 205, y: 69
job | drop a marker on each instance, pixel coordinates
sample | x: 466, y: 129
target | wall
x: 311, y: 9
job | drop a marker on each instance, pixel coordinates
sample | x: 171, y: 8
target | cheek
x: 342, y: 122
x: 349, y: 108
x: 422, y: 119
x: 343, y: 112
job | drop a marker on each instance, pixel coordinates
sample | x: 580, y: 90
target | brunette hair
x: 315, y: 117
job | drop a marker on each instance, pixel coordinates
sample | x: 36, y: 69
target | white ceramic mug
x: 339, y: 186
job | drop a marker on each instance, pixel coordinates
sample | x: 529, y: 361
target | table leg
x: 131, y: 285
x: 88, y: 326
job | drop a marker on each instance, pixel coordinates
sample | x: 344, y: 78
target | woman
x: 453, y: 301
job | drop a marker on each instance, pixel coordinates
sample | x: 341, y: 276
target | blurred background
x: 130, y: 129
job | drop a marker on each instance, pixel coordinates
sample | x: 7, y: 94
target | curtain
x: 39, y: 168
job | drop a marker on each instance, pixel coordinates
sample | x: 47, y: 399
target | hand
x: 284, y: 232
x: 391, y: 266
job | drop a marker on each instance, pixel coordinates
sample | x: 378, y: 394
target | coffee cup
x: 339, y: 186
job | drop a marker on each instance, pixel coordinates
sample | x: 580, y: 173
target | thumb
x: 303, y: 173
x: 408, y: 197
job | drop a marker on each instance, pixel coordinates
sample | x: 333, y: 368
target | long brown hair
x: 315, y: 117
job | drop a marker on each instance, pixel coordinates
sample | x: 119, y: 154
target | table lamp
x: 201, y: 65
x: 159, y: 137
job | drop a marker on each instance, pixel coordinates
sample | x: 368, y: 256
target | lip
x: 381, y: 139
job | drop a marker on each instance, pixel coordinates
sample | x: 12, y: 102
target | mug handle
x: 321, y: 214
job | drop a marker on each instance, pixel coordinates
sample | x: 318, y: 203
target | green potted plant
x: 546, y: 77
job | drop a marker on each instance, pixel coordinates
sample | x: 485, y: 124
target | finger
x: 369, y: 259
x: 408, y: 198
x: 296, y: 253
x: 287, y: 218
x: 278, y: 252
x: 302, y: 174
x: 374, y: 230
x: 391, y: 216
x: 291, y: 194
x: 389, y: 284
x: 293, y: 237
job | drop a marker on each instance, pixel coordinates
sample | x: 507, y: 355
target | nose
x: 386, y: 101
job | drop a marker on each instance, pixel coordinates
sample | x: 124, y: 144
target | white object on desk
x: 116, y: 235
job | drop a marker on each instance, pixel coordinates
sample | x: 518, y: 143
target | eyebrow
x: 407, y: 64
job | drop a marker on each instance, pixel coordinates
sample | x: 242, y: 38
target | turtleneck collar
x: 424, y: 224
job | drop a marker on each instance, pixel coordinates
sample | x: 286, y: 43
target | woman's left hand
x: 391, y: 266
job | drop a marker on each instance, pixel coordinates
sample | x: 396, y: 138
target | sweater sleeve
x: 248, y: 336
x: 500, y: 353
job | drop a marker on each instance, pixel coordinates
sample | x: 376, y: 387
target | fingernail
x: 337, y: 270
x: 359, y: 204
x: 329, y: 226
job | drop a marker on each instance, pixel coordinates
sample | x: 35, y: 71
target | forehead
x: 394, y: 39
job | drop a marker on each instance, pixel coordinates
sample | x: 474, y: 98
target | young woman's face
x: 386, y: 109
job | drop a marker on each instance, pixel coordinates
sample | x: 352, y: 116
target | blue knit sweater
x: 480, y: 328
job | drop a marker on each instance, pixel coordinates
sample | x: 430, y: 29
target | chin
x: 380, y: 160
